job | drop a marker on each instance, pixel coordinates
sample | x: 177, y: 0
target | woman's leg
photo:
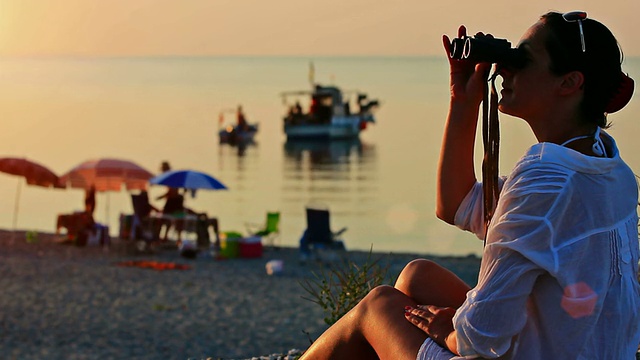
x: 428, y: 283
x: 375, y: 328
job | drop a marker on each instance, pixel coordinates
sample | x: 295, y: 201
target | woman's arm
x: 163, y: 196
x: 456, y: 172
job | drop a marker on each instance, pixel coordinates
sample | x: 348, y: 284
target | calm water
x: 63, y: 112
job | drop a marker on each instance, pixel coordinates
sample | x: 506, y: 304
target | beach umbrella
x: 188, y: 179
x: 107, y: 175
x: 32, y: 172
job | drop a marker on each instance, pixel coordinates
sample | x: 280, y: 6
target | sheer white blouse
x: 558, y: 278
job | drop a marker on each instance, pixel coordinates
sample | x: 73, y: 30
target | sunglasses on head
x: 577, y: 16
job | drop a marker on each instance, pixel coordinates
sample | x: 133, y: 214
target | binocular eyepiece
x: 487, y: 49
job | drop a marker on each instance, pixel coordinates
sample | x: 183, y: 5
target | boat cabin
x: 327, y: 103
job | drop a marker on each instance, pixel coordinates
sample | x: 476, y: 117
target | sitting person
x: 174, y: 206
x: 559, y: 272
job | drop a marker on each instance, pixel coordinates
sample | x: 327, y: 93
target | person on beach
x: 174, y: 204
x: 559, y: 272
x: 164, y: 167
x: 90, y: 200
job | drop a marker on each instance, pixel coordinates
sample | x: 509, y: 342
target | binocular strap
x: 491, y: 142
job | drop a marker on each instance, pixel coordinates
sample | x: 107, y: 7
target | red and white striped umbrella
x: 107, y: 175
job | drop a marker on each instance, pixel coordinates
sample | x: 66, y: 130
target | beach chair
x: 142, y: 224
x: 318, y: 241
x: 269, y: 231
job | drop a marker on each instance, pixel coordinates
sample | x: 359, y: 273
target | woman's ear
x: 571, y: 82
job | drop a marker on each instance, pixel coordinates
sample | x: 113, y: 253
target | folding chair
x: 270, y: 231
x: 318, y: 237
x: 142, y: 226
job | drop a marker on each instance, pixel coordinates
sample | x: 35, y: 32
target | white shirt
x: 558, y: 278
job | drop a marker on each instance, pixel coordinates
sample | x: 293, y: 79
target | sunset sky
x: 276, y: 27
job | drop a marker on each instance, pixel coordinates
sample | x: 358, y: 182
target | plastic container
x: 251, y: 247
x: 230, y: 247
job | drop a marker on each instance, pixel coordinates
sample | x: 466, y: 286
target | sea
x: 60, y: 112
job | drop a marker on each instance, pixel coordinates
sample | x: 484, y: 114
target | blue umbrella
x: 188, y: 179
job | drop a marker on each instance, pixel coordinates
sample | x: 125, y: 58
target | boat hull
x: 343, y: 127
x: 236, y: 136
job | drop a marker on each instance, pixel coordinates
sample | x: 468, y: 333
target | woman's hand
x: 467, y: 78
x: 435, y: 321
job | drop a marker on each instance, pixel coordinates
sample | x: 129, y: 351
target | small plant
x: 340, y: 288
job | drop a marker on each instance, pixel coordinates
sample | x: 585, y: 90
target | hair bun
x: 622, y: 95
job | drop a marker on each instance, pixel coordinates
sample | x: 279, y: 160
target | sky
x: 94, y: 28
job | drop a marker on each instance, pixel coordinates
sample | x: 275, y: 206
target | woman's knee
x: 378, y: 295
x: 381, y: 291
x: 416, y: 270
x: 427, y: 282
x: 378, y: 299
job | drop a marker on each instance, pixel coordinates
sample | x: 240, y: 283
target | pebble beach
x: 61, y: 301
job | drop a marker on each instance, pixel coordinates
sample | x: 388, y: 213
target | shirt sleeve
x: 516, y: 254
x: 470, y: 213
x: 481, y: 323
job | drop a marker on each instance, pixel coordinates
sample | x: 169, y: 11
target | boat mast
x: 312, y: 75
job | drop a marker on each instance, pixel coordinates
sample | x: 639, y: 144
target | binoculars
x: 487, y: 49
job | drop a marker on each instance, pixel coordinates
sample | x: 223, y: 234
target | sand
x: 61, y: 301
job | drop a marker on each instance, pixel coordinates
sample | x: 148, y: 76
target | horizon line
x: 310, y: 57
x: 232, y: 56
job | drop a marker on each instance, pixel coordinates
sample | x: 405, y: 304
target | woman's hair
x: 600, y: 64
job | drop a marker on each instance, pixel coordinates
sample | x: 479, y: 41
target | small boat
x: 240, y: 133
x: 331, y: 114
x: 234, y: 134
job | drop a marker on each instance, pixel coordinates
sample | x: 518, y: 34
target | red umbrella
x: 107, y: 175
x: 32, y: 172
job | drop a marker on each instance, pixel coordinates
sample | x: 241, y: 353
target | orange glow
x: 579, y: 300
x: 277, y: 27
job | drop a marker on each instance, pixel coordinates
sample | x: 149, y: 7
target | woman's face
x: 528, y: 92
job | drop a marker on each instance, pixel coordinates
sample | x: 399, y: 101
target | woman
x: 558, y: 278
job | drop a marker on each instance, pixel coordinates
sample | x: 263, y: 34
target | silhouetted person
x: 90, y: 200
x: 242, y: 120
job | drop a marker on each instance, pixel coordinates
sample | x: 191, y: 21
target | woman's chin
x: 504, y: 108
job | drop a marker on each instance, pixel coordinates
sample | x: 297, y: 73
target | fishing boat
x: 234, y: 134
x: 332, y: 114
x: 239, y: 133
